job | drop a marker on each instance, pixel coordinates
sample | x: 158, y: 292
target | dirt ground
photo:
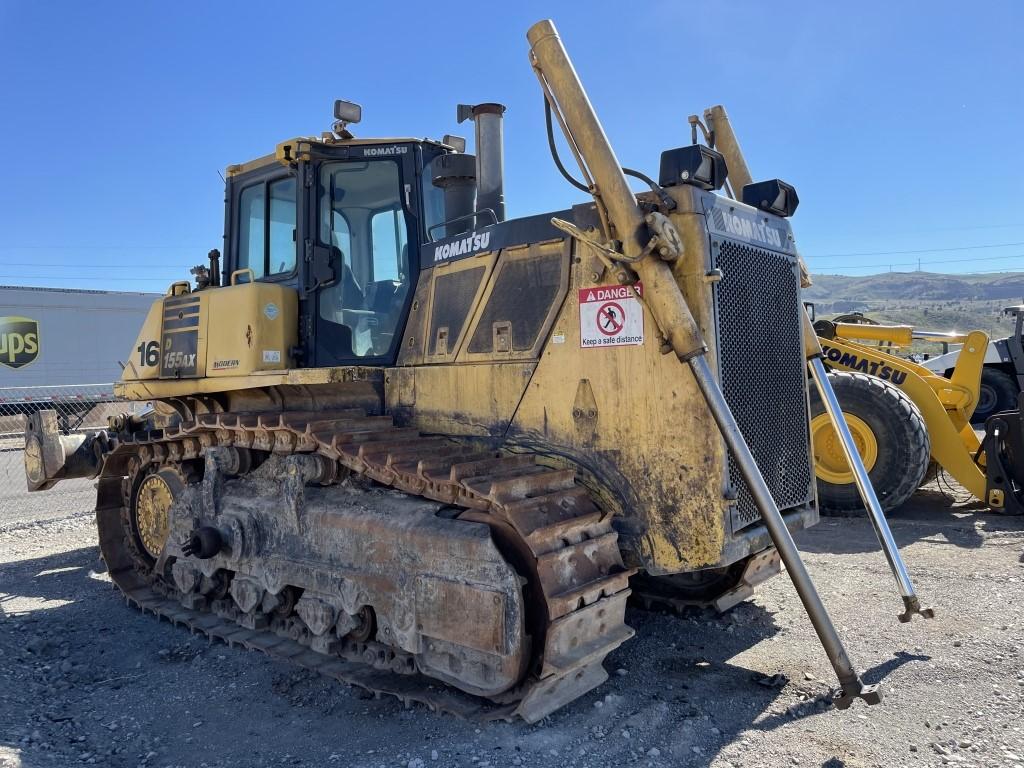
x: 86, y: 680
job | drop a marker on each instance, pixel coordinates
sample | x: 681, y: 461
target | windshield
x: 363, y: 220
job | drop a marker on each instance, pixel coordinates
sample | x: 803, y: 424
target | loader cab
x: 341, y: 223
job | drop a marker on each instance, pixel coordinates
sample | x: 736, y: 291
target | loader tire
x: 891, y: 436
x: 998, y: 393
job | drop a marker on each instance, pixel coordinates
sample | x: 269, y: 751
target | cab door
x: 363, y: 262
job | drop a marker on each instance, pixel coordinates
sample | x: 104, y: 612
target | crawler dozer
x: 420, y: 448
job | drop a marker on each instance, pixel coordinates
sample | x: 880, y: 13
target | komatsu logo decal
x: 19, y: 341
x: 854, y: 363
x: 469, y: 244
x: 757, y: 231
x: 384, y: 151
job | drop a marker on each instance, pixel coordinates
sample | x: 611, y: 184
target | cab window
x: 387, y: 235
x: 251, y: 243
x: 266, y: 228
x: 363, y: 221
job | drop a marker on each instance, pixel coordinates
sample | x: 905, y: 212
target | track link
x: 552, y: 523
x: 718, y: 589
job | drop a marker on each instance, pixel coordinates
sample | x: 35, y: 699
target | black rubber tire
x: 998, y: 393
x: 904, y: 448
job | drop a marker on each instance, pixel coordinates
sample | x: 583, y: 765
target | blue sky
x: 899, y: 123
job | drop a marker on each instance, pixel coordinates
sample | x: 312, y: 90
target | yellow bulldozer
x: 402, y: 440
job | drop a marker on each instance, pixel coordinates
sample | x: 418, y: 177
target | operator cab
x: 340, y: 220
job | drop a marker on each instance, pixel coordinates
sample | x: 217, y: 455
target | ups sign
x: 19, y: 341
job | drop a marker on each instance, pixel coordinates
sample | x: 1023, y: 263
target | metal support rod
x: 581, y: 124
x: 849, y: 680
x: 726, y: 142
x: 911, y: 603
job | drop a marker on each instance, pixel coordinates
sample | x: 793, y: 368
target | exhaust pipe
x: 490, y: 155
x: 456, y: 175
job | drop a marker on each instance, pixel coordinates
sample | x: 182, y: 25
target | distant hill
x: 929, y: 286
x: 926, y: 300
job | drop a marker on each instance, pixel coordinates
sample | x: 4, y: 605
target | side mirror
x: 321, y: 267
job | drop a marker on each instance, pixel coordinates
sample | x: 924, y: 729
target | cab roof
x: 291, y: 151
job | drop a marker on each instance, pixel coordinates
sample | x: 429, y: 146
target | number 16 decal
x: 149, y: 353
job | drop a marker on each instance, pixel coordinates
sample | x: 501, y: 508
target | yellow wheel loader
x: 906, y: 418
x: 421, y: 448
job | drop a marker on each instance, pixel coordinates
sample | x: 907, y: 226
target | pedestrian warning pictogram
x: 611, y: 316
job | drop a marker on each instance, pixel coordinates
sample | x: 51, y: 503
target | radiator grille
x: 761, y: 364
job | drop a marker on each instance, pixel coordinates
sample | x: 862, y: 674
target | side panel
x: 559, y: 361
x: 183, y: 336
x: 144, y: 362
x: 251, y: 328
x: 633, y: 419
x: 225, y: 332
x: 476, y: 400
x: 518, y: 306
x: 477, y: 326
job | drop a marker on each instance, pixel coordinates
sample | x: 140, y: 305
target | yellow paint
x: 630, y: 419
x: 897, y: 335
x: 652, y: 433
x: 945, y: 404
x: 472, y: 399
x: 143, y: 390
x: 138, y: 367
x: 243, y: 330
x: 255, y: 324
x: 830, y: 462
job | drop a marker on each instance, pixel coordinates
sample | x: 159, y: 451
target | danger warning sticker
x: 611, y: 316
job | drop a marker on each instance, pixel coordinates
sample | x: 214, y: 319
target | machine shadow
x: 51, y: 577
x: 928, y: 515
x: 816, y: 703
x: 686, y: 663
x: 57, y: 599
x: 697, y: 673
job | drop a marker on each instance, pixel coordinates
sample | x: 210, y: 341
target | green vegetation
x: 926, y: 300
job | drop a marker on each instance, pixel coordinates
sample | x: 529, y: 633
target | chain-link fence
x: 79, y: 409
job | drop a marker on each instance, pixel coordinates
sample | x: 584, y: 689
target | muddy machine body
x: 401, y: 439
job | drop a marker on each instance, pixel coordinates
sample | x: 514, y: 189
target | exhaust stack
x: 490, y: 154
x: 455, y: 173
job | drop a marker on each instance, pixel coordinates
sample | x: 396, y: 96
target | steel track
x: 541, y: 512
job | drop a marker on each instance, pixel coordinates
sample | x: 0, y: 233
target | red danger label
x: 611, y: 316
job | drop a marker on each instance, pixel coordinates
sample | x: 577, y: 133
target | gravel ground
x: 86, y: 680
x: 17, y: 505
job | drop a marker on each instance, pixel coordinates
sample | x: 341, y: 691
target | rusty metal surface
x: 545, y: 526
x: 718, y: 588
